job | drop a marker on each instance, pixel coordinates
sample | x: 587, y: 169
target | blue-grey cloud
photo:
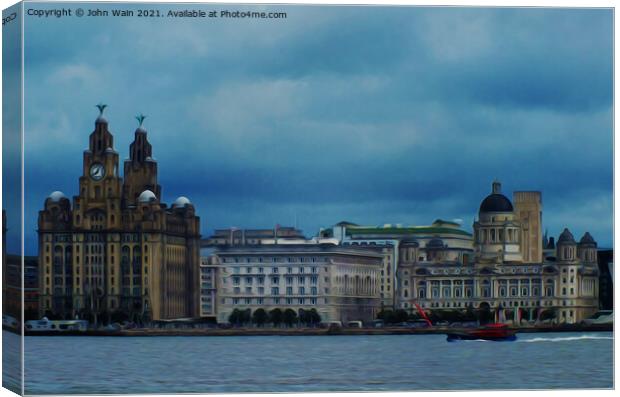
x: 371, y: 114
x: 11, y: 126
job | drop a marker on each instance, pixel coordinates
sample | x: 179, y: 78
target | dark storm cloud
x: 370, y: 114
x: 11, y: 138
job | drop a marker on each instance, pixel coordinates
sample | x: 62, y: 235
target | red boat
x: 494, y: 332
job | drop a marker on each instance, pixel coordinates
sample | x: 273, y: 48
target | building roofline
x: 299, y: 248
x: 405, y: 230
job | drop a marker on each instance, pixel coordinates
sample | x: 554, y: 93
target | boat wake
x: 565, y: 339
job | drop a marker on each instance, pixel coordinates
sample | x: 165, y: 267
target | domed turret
x: 587, y: 240
x: 566, y: 247
x: 566, y: 237
x: 586, y: 249
x: 497, y: 231
x: 496, y: 201
x: 147, y: 196
x: 57, y: 212
x: 57, y: 196
x: 181, y: 202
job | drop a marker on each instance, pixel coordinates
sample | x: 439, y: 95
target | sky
x: 372, y: 115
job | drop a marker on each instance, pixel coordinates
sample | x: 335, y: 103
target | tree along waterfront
x: 276, y: 317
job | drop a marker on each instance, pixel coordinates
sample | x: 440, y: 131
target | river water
x: 86, y: 365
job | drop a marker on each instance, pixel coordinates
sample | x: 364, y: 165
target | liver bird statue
x: 101, y: 108
x: 140, y: 119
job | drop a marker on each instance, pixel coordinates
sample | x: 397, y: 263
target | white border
x: 476, y: 3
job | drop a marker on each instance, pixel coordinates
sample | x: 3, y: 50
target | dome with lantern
x: 496, y: 201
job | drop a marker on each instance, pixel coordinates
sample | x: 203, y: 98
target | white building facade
x: 208, y: 286
x: 341, y: 283
x: 389, y: 238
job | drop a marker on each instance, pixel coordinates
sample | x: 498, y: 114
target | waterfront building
x: 12, y: 286
x: 501, y: 279
x: 606, y: 278
x: 208, y: 286
x: 116, y: 247
x: 14, y: 271
x: 340, y: 282
x: 459, y: 246
x: 236, y: 236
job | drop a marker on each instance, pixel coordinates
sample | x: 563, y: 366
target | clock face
x: 97, y: 171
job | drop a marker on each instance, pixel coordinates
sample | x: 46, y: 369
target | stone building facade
x: 508, y: 275
x: 341, y: 283
x: 389, y: 238
x: 116, y: 247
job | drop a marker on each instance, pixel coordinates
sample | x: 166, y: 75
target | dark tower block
x: 140, y: 170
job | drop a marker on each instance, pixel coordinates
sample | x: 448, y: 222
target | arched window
x: 549, y: 288
x: 125, y: 260
x: 486, y: 289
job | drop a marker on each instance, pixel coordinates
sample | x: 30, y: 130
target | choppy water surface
x: 63, y: 365
x: 11, y: 362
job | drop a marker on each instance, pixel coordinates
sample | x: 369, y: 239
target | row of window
x: 88, y: 237
x: 272, y: 260
x: 485, y: 292
x: 275, y: 301
x: 236, y: 280
x: 467, y: 304
x: 497, y: 235
x: 448, y: 292
x: 127, y: 291
x: 276, y: 290
x: 275, y: 270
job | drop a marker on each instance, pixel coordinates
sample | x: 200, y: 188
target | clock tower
x: 140, y: 170
x: 120, y: 251
x: 98, y: 205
